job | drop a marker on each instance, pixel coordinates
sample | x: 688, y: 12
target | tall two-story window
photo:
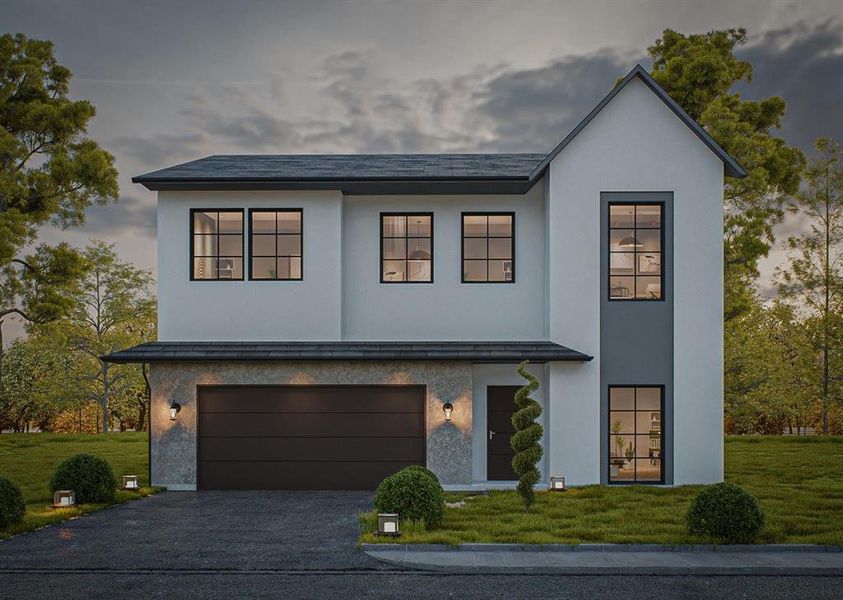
x: 488, y: 247
x: 216, y: 244
x: 636, y: 441
x: 275, y: 244
x: 636, y: 251
x: 406, y: 247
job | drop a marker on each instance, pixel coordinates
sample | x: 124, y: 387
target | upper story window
x: 488, y: 247
x: 217, y: 244
x: 406, y: 247
x: 636, y: 434
x: 275, y: 244
x: 636, y: 251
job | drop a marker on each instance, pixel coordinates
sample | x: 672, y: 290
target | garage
x: 307, y: 437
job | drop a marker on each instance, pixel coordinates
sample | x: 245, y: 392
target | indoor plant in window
x: 617, y: 462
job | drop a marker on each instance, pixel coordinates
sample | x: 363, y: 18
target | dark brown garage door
x: 307, y: 437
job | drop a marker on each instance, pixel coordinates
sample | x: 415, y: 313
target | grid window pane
x: 263, y: 222
x: 407, y: 248
x: 635, y: 434
x: 474, y: 248
x: 636, y: 252
x: 263, y: 268
x: 217, y: 244
x: 276, y: 236
x: 263, y: 245
x: 475, y: 225
x: 488, y: 238
x: 395, y: 248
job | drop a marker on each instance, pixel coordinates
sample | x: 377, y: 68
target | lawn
x: 29, y: 460
x: 797, y: 480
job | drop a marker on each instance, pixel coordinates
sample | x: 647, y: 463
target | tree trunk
x: 106, y: 390
x: 826, y: 306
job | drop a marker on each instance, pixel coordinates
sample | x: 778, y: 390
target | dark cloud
x: 802, y: 63
x: 161, y: 149
x: 130, y: 215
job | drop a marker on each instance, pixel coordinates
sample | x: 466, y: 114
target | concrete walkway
x: 607, y: 559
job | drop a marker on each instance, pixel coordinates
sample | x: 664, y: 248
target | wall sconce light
x: 557, y: 484
x: 130, y: 482
x: 447, y: 408
x: 175, y: 407
x: 388, y: 524
x: 63, y: 498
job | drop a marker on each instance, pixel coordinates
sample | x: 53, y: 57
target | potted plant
x: 616, y: 463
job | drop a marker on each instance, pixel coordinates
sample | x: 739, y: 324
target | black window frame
x: 510, y: 214
x: 663, y: 437
x: 275, y: 235
x: 406, y: 237
x: 193, y: 256
x: 635, y: 253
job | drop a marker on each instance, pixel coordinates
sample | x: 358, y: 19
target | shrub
x: 424, y: 471
x: 12, y: 507
x: 525, y: 440
x: 725, y: 511
x: 89, y: 476
x: 413, y: 494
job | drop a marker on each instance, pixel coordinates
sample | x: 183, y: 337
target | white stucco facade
x: 635, y: 144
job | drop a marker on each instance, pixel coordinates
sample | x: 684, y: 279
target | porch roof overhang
x: 480, y: 352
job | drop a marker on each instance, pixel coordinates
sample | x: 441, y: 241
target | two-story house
x: 327, y: 319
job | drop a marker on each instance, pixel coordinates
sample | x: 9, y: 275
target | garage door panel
x: 311, y: 399
x: 295, y: 475
x: 311, y: 424
x: 312, y: 449
x: 307, y: 437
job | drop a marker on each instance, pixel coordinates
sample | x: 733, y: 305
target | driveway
x: 293, y: 545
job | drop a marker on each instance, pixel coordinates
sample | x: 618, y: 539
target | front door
x: 500, y: 404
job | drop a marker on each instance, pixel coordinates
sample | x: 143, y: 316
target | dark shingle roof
x: 488, y: 352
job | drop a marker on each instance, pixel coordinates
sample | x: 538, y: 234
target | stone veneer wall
x: 173, y: 443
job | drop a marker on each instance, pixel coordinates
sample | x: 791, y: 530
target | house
x: 326, y: 320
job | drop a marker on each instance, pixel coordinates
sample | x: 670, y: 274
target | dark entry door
x: 307, y: 437
x: 500, y: 405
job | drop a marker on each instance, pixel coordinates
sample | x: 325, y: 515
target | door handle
x: 491, y: 434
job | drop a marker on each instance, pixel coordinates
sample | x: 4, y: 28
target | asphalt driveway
x: 290, y: 545
x: 204, y: 531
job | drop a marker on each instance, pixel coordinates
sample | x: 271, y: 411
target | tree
x: 699, y: 71
x: 112, y: 309
x: 525, y: 440
x: 813, y: 278
x: 49, y: 172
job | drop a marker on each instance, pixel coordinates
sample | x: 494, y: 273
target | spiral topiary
x: 525, y: 440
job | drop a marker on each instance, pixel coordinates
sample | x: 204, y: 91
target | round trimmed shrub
x: 89, y: 476
x: 727, y: 512
x: 12, y: 507
x: 425, y: 471
x: 413, y: 494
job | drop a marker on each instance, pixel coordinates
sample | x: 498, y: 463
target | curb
x: 760, y: 548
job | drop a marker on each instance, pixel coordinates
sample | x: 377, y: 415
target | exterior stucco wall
x: 636, y: 144
x: 173, y: 443
x: 445, y: 309
x: 306, y: 310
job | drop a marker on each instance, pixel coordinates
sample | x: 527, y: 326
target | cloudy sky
x: 176, y: 80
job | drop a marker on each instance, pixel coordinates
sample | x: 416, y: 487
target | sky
x: 177, y: 80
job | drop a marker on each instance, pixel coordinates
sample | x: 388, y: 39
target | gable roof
x: 353, y: 173
x: 732, y: 168
x: 400, y: 173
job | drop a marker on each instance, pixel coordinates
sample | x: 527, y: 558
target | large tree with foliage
x: 813, y: 279
x: 112, y: 309
x: 700, y: 71
x: 50, y: 172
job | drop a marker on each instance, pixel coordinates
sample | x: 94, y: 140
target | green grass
x: 29, y: 459
x: 797, y: 480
